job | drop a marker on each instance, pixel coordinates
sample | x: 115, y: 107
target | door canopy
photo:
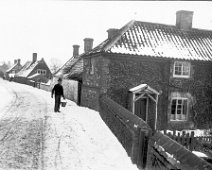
x: 144, y: 90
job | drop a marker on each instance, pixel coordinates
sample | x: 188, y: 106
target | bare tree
x: 55, y: 65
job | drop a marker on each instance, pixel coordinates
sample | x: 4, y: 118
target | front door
x: 141, y: 108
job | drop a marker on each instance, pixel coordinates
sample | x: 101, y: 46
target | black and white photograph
x: 105, y: 85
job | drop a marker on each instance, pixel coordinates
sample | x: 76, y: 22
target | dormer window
x: 181, y: 69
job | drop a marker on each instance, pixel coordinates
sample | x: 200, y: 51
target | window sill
x: 173, y: 121
x: 183, y: 77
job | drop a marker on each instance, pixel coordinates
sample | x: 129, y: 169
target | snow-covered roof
x: 144, y: 87
x: 72, y: 68
x: 12, y: 67
x: 75, y: 71
x: 27, y: 69
x: 159, y: 40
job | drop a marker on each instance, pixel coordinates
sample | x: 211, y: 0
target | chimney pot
x: 75, y: 50
x: 34, y: 57
x: 19, y: 61
x: 184, y: 19
x: 112, y: 32
x: 88, y: 44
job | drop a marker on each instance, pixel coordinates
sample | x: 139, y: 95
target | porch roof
x: 145, y: 88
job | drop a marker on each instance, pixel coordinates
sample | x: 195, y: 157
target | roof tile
x: 159, y: 40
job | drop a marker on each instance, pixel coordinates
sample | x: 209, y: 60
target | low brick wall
x: 129, y: 129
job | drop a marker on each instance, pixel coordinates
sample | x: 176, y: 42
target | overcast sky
x: 50, y: 28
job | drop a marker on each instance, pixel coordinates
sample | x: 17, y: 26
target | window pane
x: 179, y: 101
x: 173, y: 111
x: 174, y: 102
x: 173, y: 106
x: 186, y: 69
x: 178, y: 68
x: 178, y: 111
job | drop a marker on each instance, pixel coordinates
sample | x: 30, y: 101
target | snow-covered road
x: 32, y: 136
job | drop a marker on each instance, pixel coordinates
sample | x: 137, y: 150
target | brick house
x: 15, y: 68
x: 162, y: 73
x: 33, y: 72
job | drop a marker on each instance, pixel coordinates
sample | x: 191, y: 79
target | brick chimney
x: 184, y: 19
x: 15, y: 61
x: 19, y: 61
x: 75, y: 50
x: 34, y: 57
x: 88, y: 44
x: 112, y: 32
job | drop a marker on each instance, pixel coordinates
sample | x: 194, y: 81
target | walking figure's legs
x: 57, y: 103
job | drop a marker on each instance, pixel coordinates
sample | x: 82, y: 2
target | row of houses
x: 32, y: 72
x: 162, y: 73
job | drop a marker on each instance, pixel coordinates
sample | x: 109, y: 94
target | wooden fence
x: 190, y: 141
x: 185, y: 139
x: 205, y: 139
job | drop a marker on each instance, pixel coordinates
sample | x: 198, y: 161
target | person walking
x: 58, y: 91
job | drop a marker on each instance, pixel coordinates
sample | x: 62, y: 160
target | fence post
x: 192, y: 141
x: 187, y: 143
x: 178, y: 137
x: 183, y: 138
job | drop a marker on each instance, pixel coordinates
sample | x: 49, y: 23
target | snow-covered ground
x: 6, y: 97
x: 74, y: 139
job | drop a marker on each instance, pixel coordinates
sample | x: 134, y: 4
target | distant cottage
x: 34, y: 71
x: 3, y: 69
x: 162, y: 73
x: 15, y: 68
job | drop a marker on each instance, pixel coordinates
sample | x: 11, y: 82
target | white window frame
x: 176, y: 109
x: 181, y: 75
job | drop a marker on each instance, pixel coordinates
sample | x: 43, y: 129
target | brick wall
x: 91, y: 82
x: 125, y: 74
x: 115, y: 75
